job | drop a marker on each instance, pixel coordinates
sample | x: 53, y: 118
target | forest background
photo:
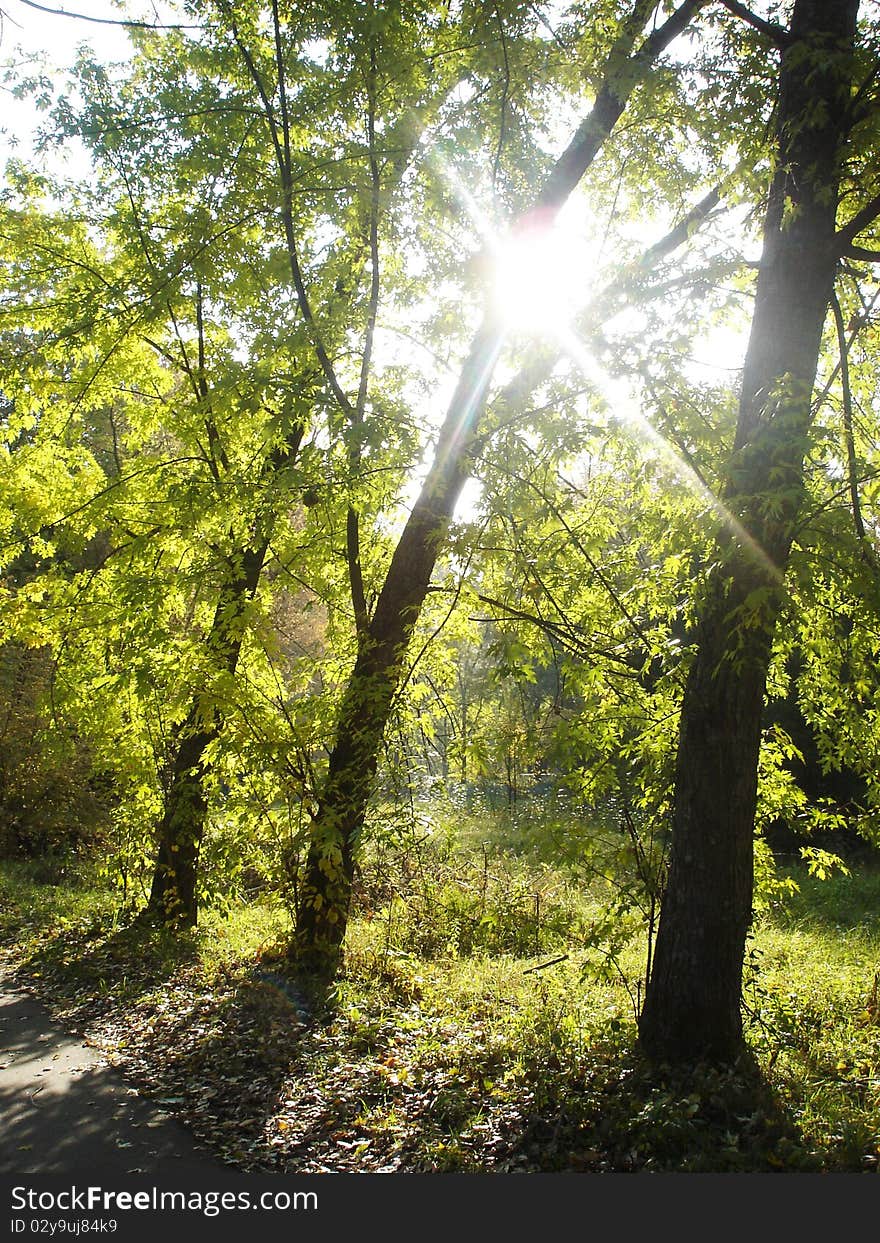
x: 440, y: 586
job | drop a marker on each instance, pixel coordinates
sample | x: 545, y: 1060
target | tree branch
x: 505, y: 91
x: 112, y: 21
x: 609, y: 104
x: 535, y: 372
x: 281, y: 145
x: 286, y: 171
x: 681, y: 232
x: 860, y: 252
x: 353, y: 542
x: 852, y: 465
x: 860, y: 221
x: 778, y: 35
x: 217, y: 452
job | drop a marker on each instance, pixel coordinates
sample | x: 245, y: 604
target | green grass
x: 443, y: 1048
x: 816, y: 1012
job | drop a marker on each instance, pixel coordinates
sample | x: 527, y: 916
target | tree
x: 692, y: 1007
x: 247, y: 256
x: 372, y: 52
x: 366, y: 704
x: 273, y: 193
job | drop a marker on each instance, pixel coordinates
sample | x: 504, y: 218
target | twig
x: 551, y: 962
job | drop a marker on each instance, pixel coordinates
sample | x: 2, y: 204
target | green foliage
x: 237, y: 333
x: 464, y: 1063
x: 436, y: 896
x: 53, y: 802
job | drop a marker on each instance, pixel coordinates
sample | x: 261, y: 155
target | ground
x: 63, y: 1109
x: 434, y: 1056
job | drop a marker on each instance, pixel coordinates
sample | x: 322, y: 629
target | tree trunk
x: 692, y: 1005
x: 173, y: 896
x: 325, y: 889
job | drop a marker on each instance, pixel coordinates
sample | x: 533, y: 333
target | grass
x: 816, y: 1013
x: 444, y: 1048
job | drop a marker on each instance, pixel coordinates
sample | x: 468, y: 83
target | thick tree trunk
x: 173, y: 896
x: 692, y: 1006
x: 325, y: 889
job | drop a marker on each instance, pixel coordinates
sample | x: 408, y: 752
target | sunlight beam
x: 534, y: 290
x: 619, y: 399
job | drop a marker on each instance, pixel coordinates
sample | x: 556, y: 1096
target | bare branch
x: 373, y: 241
x: 855, y: 329
x: 281, y: 144
x: 861, y: 220
x: 215, y: 443
x: 852, y: 466
x: 681, y: 232
x: 542, y: 966
x: 861, y: 252
x: 505, y: 91
x: 112, y: 21
x: 353, y: 549
x: 778, y: 35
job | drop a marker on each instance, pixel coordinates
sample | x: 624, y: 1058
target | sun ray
x: 539, y: 275
x: 618, y: 398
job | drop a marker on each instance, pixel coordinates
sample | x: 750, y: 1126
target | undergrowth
x: 477, y: 1025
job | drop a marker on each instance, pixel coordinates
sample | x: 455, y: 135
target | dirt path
x: 64, y: 1110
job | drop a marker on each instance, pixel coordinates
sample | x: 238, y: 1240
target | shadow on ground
x: 270, y: 1081
x: 62, y: 1110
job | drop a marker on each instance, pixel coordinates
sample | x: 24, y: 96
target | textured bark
x: 173, y: 895
x: 692, y: 1007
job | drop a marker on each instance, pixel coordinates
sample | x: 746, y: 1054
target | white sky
x: 27, y: 31
x: 57, y: 35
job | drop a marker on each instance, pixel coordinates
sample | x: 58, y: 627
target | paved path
x: 64, y: 1110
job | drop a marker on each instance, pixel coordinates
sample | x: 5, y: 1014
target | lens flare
x: 620, y: 400
x: 537, y: 277
x: 540, y: 286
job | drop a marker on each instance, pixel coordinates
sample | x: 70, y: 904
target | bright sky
x: 36, y: 30
x: 27, y: 31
